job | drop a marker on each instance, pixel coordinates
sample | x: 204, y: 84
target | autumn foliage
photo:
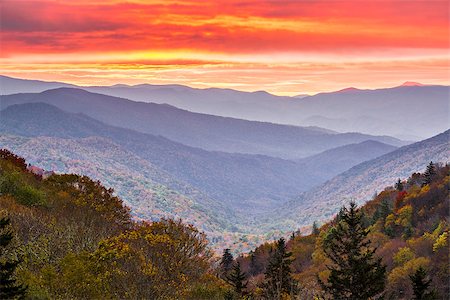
x: 75, y: 239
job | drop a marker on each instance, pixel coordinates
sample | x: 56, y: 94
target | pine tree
x: 255, y: 267
x: 237, y: 279
x: 278, y: 278
x: 399, y: 185
x: 9, y: 288
x: 356, y: 274
x: 226, y: 263
x: 315, y: 228
x: 429, y: 174
x: 421, y: 285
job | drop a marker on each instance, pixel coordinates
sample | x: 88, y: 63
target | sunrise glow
x: 284, y: 47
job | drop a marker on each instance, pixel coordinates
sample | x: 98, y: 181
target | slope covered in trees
x: 406, y: 226
x: 237, y: 179
x: 156, y: 176
x: 73, y: 238
x: 76, y: 240
x: 360, y: 182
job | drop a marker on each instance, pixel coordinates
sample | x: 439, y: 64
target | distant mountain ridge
x: 379, y: 112
x: 197, y: 130
x: 235, y: 186
x: 360, y: 182
x: 236, y: 179
x: 337, y: 160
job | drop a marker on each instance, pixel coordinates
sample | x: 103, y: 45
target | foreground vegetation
x: 68, y: 237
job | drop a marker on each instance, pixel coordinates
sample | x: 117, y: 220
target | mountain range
x: 362, y: 181
x: 378, y: 112
x: 197, y: 130
x: 232, y: 178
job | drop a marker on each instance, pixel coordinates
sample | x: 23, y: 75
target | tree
x: 226, y: 263
x: 278, y: 278
x: 315, y: 228
x: 355, y: 273
x: 237, y: 279
x: 256, y: 265
x: 9, y: 288
x: 429, y: 174
x: 399, y: 185
x: 421, y: 285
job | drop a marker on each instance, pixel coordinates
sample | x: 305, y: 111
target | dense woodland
x: 68, y: 237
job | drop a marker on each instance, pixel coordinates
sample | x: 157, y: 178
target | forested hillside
x: 75, y: 240
x: 360, y: 182
x: 71, y: 238
x: 408, y: 227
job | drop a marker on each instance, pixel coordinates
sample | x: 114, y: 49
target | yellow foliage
x: 390, y: 220
x: 404, y: 216
x: 323, y: 275
x: 424, y: 189
x: 441, y: 241
x: 378, y: 238
x: 403, y: 272
x: 403, y: 255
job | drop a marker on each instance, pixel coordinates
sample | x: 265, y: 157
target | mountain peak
x: 349, y: 89
x: 412, y: 83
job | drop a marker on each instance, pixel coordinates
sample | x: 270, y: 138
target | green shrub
x: 29, y: 196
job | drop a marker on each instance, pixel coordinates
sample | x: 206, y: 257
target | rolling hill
x: 386, y: 111
x: 331, y: 162
x: 151, y: 192
x: 361, y: 182
x: 240, y: 180
x: 197, y: 130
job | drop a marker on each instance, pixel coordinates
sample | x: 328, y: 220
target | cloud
x: 226, y: 27
x: 279, y: 45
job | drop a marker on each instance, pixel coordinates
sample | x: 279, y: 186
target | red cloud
x: 222, y: 26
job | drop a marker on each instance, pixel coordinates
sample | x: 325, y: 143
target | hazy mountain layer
x: 197, y: 130
x: 143, y: 186
x: 387, y: 111
x: 240, y: 180
x: 361, y: 182
x: 331, y: 162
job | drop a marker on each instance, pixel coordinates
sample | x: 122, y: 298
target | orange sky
x: 284, y: 47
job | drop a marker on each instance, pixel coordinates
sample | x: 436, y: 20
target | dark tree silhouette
x: 315, y: 228
x: 429, y: 174
x: 236, y: 279
x: 9, y: 288
x: 356, y: 274
x: 399, y: 185
x: 421, y: 285
x: 278, y: 278
x: 226, y: 263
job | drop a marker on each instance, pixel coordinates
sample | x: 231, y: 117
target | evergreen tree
x: 228, y: 295
x: 399, y: 185
x: 421, y: 285
x: 339, y: 215
x: 382, y: 211
x: 356, y: 274
x: 315, y: 228
x: 429, y: 174
x: 255, y: 267
x: 9, y: 288
x: 237, y: 279
x: 226, y: 263
x: 278, y: 278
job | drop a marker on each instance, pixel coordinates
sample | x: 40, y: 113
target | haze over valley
x: 226, y: 175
